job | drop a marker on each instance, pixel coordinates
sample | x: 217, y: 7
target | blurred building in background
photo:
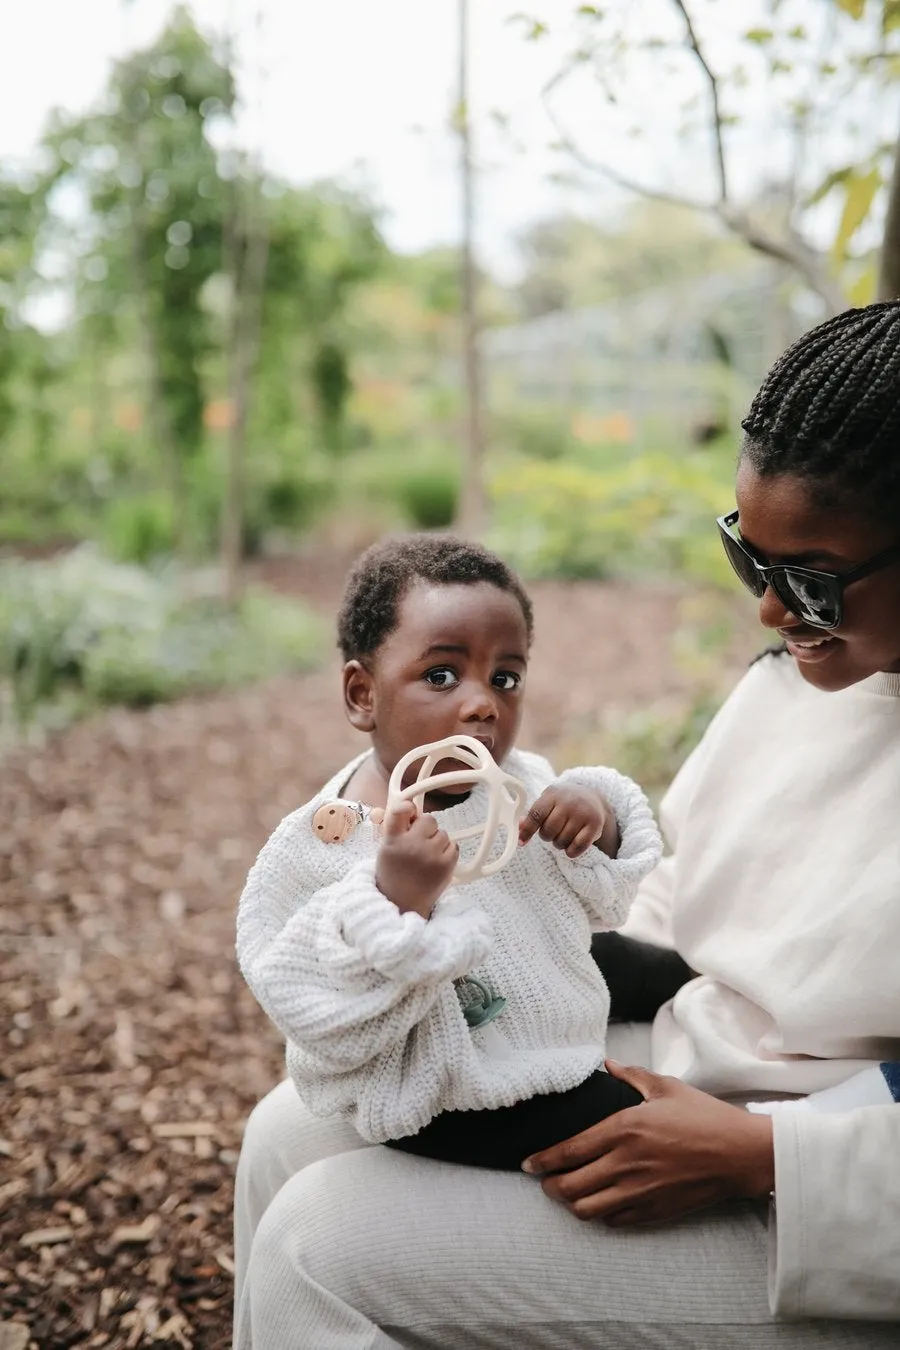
x: 686, y: 357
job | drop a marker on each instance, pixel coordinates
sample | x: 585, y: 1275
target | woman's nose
x: 773, y: 612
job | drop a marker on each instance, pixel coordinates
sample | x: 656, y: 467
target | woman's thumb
x: 642, y: 1080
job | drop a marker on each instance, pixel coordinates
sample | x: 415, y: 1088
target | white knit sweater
x: 364, y: 995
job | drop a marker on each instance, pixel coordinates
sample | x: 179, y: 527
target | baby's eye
x: 442, y: 677
x: 507, y: 679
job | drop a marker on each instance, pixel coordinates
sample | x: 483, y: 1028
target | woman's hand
x: 679, y: 1151
x: 572, y: 819
x: 416, y: 860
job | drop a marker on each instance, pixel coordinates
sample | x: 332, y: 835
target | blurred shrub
x: 538, y: 431
x: 553, y: 520
x: 652, y: 744
x: 429, y: 498
x: 648, y: 513
x: 138, y: 529
x: 118, y: 634
x: 292, y: 499
x: 419, y: 483
x: 282, y: 497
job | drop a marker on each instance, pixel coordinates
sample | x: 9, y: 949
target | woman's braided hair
x: 829, y: 410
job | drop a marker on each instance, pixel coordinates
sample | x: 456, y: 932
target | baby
x: 462, y: 1022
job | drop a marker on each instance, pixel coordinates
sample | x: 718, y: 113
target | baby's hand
x: 416, y: 860
x: 572, y: 819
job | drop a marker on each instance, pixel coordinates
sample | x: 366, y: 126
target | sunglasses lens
x: 810, y: 598
x: 742, y: 564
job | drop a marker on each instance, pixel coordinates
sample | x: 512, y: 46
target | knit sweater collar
x: 885, y: 682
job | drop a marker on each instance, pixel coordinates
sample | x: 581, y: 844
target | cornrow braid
x: 829, y: 410
x: 382, y: 575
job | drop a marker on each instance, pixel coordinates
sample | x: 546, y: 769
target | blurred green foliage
x: 652, y: 743
x: 95, y: 632
x: 649, y: 512
x: 115, y: 426
x: 133, y: 216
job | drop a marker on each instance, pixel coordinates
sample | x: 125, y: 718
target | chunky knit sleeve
x: 607, y: 886
x: 341, y: 972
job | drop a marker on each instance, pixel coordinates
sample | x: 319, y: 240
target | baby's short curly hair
x: 383, y: 574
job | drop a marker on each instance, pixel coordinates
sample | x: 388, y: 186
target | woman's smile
x: 809, y: 650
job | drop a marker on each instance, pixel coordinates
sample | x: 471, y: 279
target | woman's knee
x: 324, y: 1229
x: 282, y: 1137
x: 299, y: 1240
x: 272, y: 1120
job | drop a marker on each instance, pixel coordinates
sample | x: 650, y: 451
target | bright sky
x: 364, y: 89
x: 348, y: 83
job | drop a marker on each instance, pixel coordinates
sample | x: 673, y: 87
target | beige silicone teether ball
x: 506, y: 797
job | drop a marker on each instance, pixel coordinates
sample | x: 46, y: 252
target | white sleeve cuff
x: 835, y: 1225
x: 610, y: 884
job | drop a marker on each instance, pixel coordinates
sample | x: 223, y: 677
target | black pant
x: 640, y: 978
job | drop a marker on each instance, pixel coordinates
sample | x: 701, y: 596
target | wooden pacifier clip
x: 334, y: 822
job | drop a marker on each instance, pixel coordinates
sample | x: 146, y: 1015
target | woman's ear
x: 359, y: 696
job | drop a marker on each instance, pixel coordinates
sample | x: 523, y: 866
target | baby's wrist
x: 609, y: 839
x: 405, y: 898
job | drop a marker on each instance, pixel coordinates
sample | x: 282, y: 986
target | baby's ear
x: 359, y: 696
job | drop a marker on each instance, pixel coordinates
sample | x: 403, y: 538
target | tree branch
x: 714, y: 92
x: 613, y: 175
x: 789, y: 249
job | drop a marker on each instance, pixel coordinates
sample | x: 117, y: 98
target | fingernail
x: 528, y: 1165
x: 614, y: 1062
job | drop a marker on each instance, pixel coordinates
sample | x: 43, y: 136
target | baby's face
x: 454, y: 666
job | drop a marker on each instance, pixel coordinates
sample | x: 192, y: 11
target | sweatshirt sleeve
x: 342, y: 973
x: 650, y: 918
x: 835, y: 1227
x: 607, y: 886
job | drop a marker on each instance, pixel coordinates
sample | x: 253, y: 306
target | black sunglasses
x: 817, y: 598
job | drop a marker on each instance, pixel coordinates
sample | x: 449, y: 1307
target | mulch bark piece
x: 132, y: 1050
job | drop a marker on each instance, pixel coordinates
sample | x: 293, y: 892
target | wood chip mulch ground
x: 132, y: 1051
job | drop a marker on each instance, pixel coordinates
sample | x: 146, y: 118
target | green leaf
x: 535, y: 29
x: 759, y: 36
x: 862, y: 292
x: 890, y: 16
x: 855, y: 8
x: 860, y: 192
x: 828, y: 184
x: 590, y: 11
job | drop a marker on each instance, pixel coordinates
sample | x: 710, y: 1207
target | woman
x: 783, y: 892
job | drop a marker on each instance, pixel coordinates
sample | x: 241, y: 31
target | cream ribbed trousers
x: 343, y: 1246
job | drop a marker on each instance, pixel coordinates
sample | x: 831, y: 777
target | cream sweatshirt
x: 783, y: 892
x: 364, y: 995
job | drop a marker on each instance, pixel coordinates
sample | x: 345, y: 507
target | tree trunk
x: 251, y: 256
x: 472, y: 512
x: 889, y: 268
x: 157, y: 410
x: 155, y: 406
